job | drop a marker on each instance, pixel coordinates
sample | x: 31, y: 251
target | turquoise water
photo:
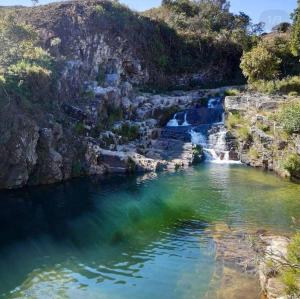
x: 136, y: 237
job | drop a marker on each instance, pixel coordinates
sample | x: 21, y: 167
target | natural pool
x: 138, y: 237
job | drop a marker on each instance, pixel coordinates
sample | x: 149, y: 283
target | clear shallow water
x: 134, y: 237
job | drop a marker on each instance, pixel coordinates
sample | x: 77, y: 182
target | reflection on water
x: 137, y: 237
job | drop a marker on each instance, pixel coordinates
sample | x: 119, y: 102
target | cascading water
x: 206, y: 128
x: 173, y: 122
x: 185, y: 123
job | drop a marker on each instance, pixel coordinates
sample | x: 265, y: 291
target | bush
x: 232, y: 92
x: 292, y: 165
x: 293, y: 94
x: 253, y: 153
x: 260, y: 64
x: 128, y: 131
x: 289, y: 116
x: 291, y: 273
x: 234, y: 120
x: 243, y: 133
x: 284, y: 86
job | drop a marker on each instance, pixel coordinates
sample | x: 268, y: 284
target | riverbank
x: 254, y: 121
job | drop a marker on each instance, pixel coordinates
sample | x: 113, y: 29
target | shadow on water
x: 94, y: 227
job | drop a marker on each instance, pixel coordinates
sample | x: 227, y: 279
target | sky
x: 271, y: 12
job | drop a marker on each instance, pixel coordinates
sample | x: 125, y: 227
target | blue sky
x: 270, y: 11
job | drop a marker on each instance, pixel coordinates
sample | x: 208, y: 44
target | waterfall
x: 173, y: 122
x: 185, y: 123
x: 214, y: 146
x: 207, y: 130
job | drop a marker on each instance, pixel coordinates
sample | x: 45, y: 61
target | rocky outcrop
x: 111, y: 131
x: 250, y: 101
x: 18, y: 148
x: 260, y: 138
x: 252, y: 258
x: 274, y: 254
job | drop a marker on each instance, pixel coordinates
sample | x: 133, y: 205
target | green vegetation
x: 211, y: 34
x: 289, y: 116
x: 295, y: 38
x: 292, y: 165
x: 260, y: 64
x: 26, y: 70
x: 272, y: 66
x: 128, y: 131
x: 291, y: 270
x: 113, y: 114
x: 232, y: 92
x: 287, y: 85
x: 79, y: 128
x: 253, y: 153
x: 198, y: 154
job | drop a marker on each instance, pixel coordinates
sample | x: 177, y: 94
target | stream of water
x: 138, y: 237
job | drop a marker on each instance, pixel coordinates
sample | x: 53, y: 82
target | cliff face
x: 104, y: 41
x: 94, y: 120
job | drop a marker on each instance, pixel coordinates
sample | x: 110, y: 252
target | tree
x: 35, y: 2
x: 260, y: 64
x: 282, y: 27
x: 295, y: 40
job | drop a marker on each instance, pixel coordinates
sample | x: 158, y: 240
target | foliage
x: 292, y: 165
x: 291, y: 273
x: 235, y: 120
x: 114, y: 114
x: 231, y: 92
x: 293, y: 94
x: 27, y: 70
x: 289, y: 117
x: 198, y: 154
x: 253, y: 153
x: 282, y: 27
x: 284, y: 86
x: 260, y: 64
x: 128, y: 131
x: 295, y: 38
x: 16, y: 40
x: 212, y: 36
x: 79, y: 128
x: 243, y: 133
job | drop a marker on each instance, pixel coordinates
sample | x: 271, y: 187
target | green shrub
x: 289, y: 116
x: 79, y: 128
x: 232, y: 92
x: 234, y: 120
x: 293, y: 94
x: 99, y: 9
x: 114, y: 114
x: 198, y: 154
x: 260, y: 64
x: 284, y: 86
x: 128, y: 131
x: 291, y: 273
x: 253, y: 153
x: 243, y: 133
x: 289, y: 84
x: 292, y: 165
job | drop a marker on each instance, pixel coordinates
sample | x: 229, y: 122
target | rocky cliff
x: 94, y: 119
